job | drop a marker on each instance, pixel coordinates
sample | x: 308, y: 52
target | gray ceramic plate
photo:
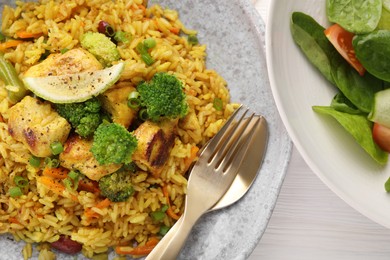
x: 234, y: 34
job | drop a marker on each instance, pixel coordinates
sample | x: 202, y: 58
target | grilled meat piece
x: 37, y: 125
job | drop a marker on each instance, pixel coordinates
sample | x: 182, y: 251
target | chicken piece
x: 115, y: 102
x: 37, y: 125
x: 155, y: 142
x: 73, y: 61
x: 77, y: 156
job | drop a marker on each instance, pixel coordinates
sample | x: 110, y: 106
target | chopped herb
x: 149, y: 43
x: 2, y: 37
x: 35, y: 161
x: 218, y: 104
x: 133, y: 100
x: 157, y: 215
x: 52, y: 162
x: 192, y: 39
x: 143, y: 48
x: 147, y: 58
x: 163, y: 230
x: 122, y: 37
x: 20, y: 181
x: 64, y: 50
x: 143, y: 114
x: 74, y: 175
x: 15, y: 192
x: 56, y: 148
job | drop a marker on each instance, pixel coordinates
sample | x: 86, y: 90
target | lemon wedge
x: 71, y: 88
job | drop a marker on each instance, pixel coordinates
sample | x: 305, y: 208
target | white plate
x: 234, y: 34
x: 329, y: 151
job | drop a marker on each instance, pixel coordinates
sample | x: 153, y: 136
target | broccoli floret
x: 101, y: 47
x: 117, y: 186
x: 84, y: 117
x: 163, y: 96
x: 112, y: 143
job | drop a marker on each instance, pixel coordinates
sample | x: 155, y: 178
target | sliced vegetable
x: 28, y: 35
x: 89, y: 213
x: 139, y: 250
x: 310, y: 37
x: 387, y: 185
x: 149, y: 43
x: 11, y: 78
x: 15, y: 192
x: 381, y: 136
x: 76, y: 87
x: 169, y: 211
x: 157, y: 215
x: 122, y: 37
x: 218, y: 104
x: 163, y: 230
x: 51, y: 162
x: 143, y: 48
x: 342, y: 41
x: 9, y: 44
x: 56, y: 148
x: 35, y: 161
x: 192, y: 39
x: 193, y: 155
x: 20, y: 181
x: 88, y: 185
x: 381, y: 109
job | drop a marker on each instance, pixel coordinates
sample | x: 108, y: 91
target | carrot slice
x: 88, y: 185
x: 28, y: 35
x: 193, y: 155
x: 57, y: 173
x: 9, y: 44
x: 139, y: 250
x: 13, y: 220
x: 52, y: 184
x: 169, y: 211
x: 174, y: 30
x: 89, y: 213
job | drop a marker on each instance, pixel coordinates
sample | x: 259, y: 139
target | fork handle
x: 171, y: 247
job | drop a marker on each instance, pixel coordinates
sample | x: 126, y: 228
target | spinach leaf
x: 310, y: 37
x: 360, y: 90
x: 373, y: 51
x: 343, y: 104
x: 358, y: 16
x: 360, y: 128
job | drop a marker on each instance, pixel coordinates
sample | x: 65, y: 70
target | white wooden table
x: 311, y: 222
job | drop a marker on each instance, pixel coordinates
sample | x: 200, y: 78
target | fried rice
x: 41, y: 216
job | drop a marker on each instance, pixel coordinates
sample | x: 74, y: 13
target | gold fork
x: 212, y: 175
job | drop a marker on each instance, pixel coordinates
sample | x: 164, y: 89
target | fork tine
x: 230, y: 141
x: 237, y: 153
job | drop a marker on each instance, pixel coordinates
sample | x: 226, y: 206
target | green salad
x: 353, y: 53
